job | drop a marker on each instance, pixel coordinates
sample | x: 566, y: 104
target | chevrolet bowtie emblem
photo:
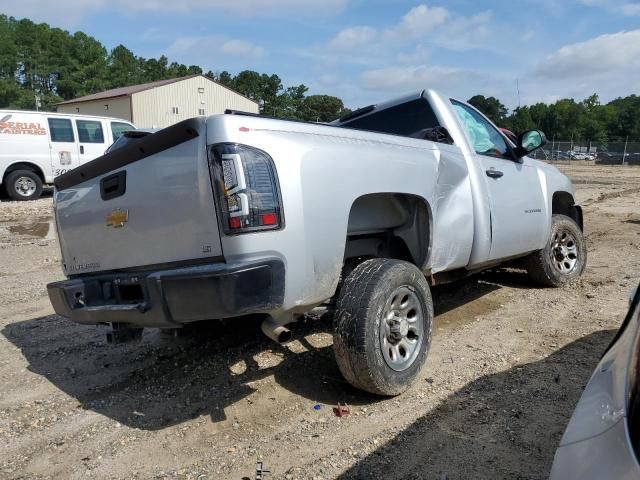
x: 117, y: 218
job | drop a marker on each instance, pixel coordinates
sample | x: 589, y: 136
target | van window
x: 118, y: 127
x: 407, y: 119
x: 90, y: 131
x: 61, y: 130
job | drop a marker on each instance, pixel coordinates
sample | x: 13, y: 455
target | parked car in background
x: 602, y: 440
x: 36, y: 147
x: 578, y: 155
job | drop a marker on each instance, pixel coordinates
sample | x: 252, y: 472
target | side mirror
x: 529, y: 141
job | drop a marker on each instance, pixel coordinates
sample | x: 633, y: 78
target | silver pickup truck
x: 236, y: 214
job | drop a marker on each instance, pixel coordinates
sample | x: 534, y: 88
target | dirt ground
x: 507, y: 366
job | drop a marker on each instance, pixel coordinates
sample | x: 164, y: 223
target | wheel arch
x: 24, y: 166
x: 399, y: 223
x: 563, y: 203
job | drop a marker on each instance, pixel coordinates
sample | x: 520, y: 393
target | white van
x: 36, y: 147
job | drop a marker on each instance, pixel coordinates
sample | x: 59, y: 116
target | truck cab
x: 511, y: 209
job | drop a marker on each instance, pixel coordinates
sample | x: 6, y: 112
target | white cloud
x: 419, y: 22
x: 407, y: 40
x: 353, y: 38
x: 608, y: 65
x: 248, y: 7
x: 417, y: 78
x: 328, y: 79
x: 69, y: 13
x: 629, y: 9
x: 527, y: 36
x: 397, y: 57
x: 219, y: 46
x: 610, y: 54
x: 241, y: 47
x: 416, y: 57
x: 466, y: 33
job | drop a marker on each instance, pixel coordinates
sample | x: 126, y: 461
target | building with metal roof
x: 162, y: 103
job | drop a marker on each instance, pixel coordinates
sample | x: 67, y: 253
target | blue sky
x: 367, y: 51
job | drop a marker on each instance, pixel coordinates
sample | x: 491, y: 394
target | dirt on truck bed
x: 507, y: 365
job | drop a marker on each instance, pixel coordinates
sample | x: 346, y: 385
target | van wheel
x: 382, y: 326
x: 23, y: 185
x: 564, y: 257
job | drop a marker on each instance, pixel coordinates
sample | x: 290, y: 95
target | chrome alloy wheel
x: 401, y: 329
x: 564, y: 251
x: 24, y: 186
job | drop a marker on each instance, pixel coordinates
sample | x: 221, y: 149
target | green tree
x: 123, y: 68
x: 491, y: 107
x: 322, y: 108
x: 624, y: 119
x: 520, y: 120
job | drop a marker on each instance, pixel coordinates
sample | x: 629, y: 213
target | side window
x: 485, y: 138
x: 118, y: 127
x: 407, y: 119
x: 61, y: 130
x: 90, y: 131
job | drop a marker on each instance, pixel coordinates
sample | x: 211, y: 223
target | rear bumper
x: 172, y: 297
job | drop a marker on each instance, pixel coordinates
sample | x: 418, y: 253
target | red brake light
x: 247, y: 193
x: 269, y: 219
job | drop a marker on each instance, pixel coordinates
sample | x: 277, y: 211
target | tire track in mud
x: 611, y: 195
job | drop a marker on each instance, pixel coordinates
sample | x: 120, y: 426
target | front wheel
x: 382, y: 326
x: 564, y: 257
x: 23, y: 185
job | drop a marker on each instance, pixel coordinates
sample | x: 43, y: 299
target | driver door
x: 518, y: 223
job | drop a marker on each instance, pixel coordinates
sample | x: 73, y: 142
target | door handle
x: 82, y: 149
x: 494, y: 173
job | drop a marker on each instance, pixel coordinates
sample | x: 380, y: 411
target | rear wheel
x: 23, y: 185
x: 382, y: 326
x: 564, y: 257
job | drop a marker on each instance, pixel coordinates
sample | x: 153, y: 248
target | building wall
x: 119, y: 107
x: 154, y: 108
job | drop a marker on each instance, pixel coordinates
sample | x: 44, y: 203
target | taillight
x: 246, y: 188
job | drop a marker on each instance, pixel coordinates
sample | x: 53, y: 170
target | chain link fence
x: 613, y: 153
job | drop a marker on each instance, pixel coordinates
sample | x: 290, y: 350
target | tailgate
x: 149, y: 203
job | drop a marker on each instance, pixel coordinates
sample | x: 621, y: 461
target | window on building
x: 117, y: 128
x: 60, y: 129
x: 175, y: 110
x: 201, y: 111
x: 90, y: 131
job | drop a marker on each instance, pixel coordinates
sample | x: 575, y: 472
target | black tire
x: 367, y: 294
x: 13, y: 181
x: 555, y: 268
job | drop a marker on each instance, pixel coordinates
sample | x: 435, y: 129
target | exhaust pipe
x: 275, y: 331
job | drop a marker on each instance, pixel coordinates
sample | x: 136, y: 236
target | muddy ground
x: 507, y: 366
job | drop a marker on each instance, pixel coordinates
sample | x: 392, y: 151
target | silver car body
x: 597, y: 442
x: 334, y: 183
